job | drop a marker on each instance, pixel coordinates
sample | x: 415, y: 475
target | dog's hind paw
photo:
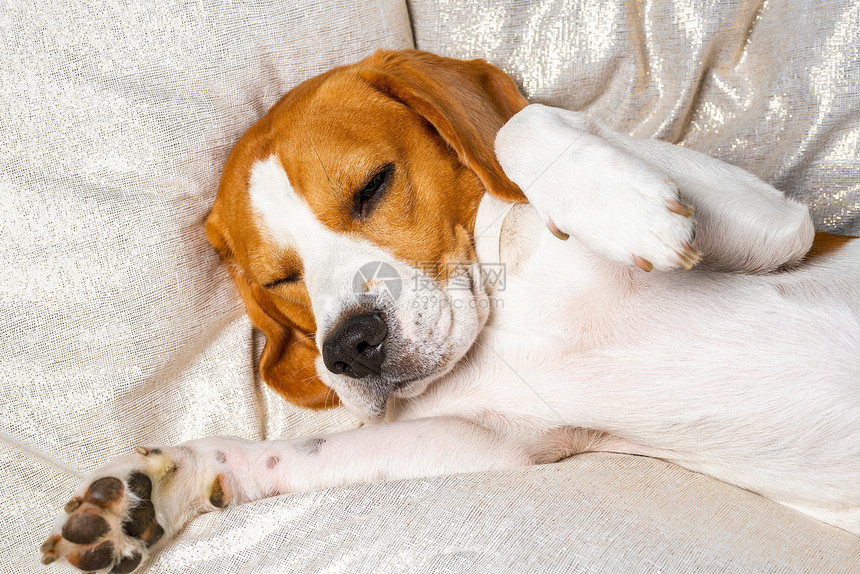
x: 126, y: 508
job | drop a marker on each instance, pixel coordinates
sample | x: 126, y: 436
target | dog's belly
x: 757, y: 389
x: 753, y: 380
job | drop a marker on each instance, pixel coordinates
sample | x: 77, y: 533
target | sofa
x: 121, y: 327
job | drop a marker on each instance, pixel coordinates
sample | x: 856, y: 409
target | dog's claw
x: 676, y: 206
x: 642, y: 264
x: 142, y: 450
x: 688, y: 256
x: 556, y: 231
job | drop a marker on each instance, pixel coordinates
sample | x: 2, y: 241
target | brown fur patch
x: 827, y: 244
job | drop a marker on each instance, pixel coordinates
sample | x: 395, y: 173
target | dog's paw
x: 631, y: 216
x: 127, y: 508
x: 110, y: 526
x: 582, y: 186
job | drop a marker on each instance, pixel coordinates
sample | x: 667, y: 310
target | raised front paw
x: 127, y: 507
x: 583, y: 186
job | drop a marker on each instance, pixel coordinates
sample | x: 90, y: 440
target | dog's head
x: 346, y: 218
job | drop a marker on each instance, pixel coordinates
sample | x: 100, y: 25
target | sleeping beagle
x: 504, y: 284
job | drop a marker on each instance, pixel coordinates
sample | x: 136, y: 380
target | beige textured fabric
x: 772, y: 86
x: 119, y: 326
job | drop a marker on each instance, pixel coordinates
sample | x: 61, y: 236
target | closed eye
x: 369, y: 194
x: 291, y: 278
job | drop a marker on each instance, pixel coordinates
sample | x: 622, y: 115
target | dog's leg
x: 139, y: 501
x: 627, y: 199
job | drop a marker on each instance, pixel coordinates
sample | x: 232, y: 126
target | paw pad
x: 105, y: 492
x: 127, y: 564
x: 92, y: 537
x: 141, y: 519
x: 85, y: 527
x: 94, y: 558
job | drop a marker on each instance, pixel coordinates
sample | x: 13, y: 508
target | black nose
x: 356, y: 348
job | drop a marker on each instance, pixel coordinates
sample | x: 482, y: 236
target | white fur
x: 750, y: 377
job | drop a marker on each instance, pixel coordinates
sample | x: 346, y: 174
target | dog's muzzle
x: 356, y: 348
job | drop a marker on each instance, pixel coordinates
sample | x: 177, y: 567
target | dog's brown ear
x: 287, y: 363
x: 466, y: 101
